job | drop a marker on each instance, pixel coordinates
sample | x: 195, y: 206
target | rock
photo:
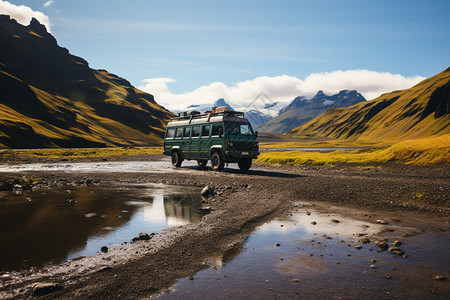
x: 308, y: 213
x: 104, y: 269
x: 383, y: 222
x: 382, y: 245
x: 358, y: 247
x: 43, y: 288
x: 314, y: 222
x: 104, y: 249
x: 135, y: 239
x: 364, y: 240
x: 205, y: 209
x: 278, y: 245
x: 144, y: 236
x: 17, y: 187
x: 396, y: 250
x: 207, y: 191
x: 295, y: 280
x: 335, y: 221
x: 440, y: 277
x: 373, y: 267
x: 397, y: 243
x: 90, y: 215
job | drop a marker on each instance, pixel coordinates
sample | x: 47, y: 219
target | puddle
x: 312, y: 255
x: 49, y: 226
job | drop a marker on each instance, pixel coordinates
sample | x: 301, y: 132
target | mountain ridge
x: 302, y: 109
x: 420, y: 111
x: 51, y: 98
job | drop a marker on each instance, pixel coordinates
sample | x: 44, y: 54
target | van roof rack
x: 196, y: 115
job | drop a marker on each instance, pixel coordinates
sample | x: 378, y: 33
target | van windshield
x: 238, y: 128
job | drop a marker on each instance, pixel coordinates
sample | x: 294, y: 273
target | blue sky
x: 190, y: 45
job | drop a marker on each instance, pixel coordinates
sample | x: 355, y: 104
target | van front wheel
x: 176, y: 159
x: 202, y: 162
x: 245, y: 164
x: 217, y: 162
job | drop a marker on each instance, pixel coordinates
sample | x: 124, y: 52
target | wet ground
x: 48, y: 226
x: 253, y: 244
x: 315, y: 254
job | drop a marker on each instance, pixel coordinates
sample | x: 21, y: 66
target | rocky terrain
x: 238, y: 203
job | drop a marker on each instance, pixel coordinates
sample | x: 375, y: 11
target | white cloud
x: 23, y: 14
x: 48, y: 3
x: 283, y: 88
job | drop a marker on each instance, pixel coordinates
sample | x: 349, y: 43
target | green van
x: 222, y: 137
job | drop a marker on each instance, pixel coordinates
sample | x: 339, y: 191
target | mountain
x: 421, y: 111
x: 301, y: 110
x: 50, y: 98
x: 257, y: 118
x: 205, y: 107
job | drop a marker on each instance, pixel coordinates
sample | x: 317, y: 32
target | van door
x: 195, y: 142
x: 205, y: 142
x: 187, y: 142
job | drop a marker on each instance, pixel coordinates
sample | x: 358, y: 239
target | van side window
x: 170, y: 133
x: 216, y: 129
x: 187, y: 131
x: 205, y: 130
x: 196, y: 131
x: 179, y: 132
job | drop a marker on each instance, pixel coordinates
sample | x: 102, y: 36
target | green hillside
x: 50, y: 98
x: 420, y: 111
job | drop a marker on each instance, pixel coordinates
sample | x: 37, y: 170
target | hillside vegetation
x: 421, y: 111
x: 430, y: 150
x: 50, y: 98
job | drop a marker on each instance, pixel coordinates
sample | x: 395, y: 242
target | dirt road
x: 241, y: 203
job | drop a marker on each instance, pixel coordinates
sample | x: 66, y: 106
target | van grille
x: 243, y: 146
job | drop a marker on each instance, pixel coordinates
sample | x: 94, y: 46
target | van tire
x: 176, y: 159
x: 245, y: 164
x: 217, y: 162
x: 202, y: 162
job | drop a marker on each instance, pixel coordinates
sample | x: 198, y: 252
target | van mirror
x: 256, y: 134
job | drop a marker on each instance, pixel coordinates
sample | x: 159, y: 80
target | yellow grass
x: 85, y: 152
x: 324, y: 144
x: 430, y: 150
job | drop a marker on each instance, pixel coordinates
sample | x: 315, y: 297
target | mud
x: 241, y: 204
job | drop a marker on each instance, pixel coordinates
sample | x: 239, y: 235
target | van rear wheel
x: 176, y: 159
x: 202, y: 162
x: 217, y: 162
x: 245, y: 164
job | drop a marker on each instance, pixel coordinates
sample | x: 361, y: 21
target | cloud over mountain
x: 23, y: 14
x: 281, y: 88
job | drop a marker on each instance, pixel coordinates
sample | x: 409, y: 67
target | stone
x: 295, y: 280
x: 314, y: 222
x: 104, y: 249
x: 358, y: 247
x: 135, y: 239
x: 364, y: 240
x: 440, y: 277
x: 383, y: 222
x: 90, y: 215
x: 397, y: 243
x: 335, y: 221
x: 205, y: 209
x: 144, y: 236
x: 308, y: 213
x: 207, y: 191
x: 43, y: 288
x: 373, y: 267
x: 382, y: 245
x: 396, y: 250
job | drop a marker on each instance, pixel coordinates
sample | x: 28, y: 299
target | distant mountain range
x: 49, y: 97
x: 421, y: 111
x: 302, y: 110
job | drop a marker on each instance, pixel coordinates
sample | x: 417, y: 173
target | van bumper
x: 233, y: 156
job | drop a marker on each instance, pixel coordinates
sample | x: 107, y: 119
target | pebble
x: 364, y: 240
x: 90, y: 215
x: 104, y: 249
x: 383, y: 222
x: 314, y: 222
x: 144, y: 236
x: 397, y: 243
x: 335, y: 221
x: 295, y: 280
x: 396, y: 250
x: 440, y: 277
x: 358, y: 247
x: 43, y: 288
x: 382, y: 245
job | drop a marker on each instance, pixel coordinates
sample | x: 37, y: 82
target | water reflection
x: 50, y: 226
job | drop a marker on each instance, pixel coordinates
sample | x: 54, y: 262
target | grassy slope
x: 394, y: 116
x: 428, y: 150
